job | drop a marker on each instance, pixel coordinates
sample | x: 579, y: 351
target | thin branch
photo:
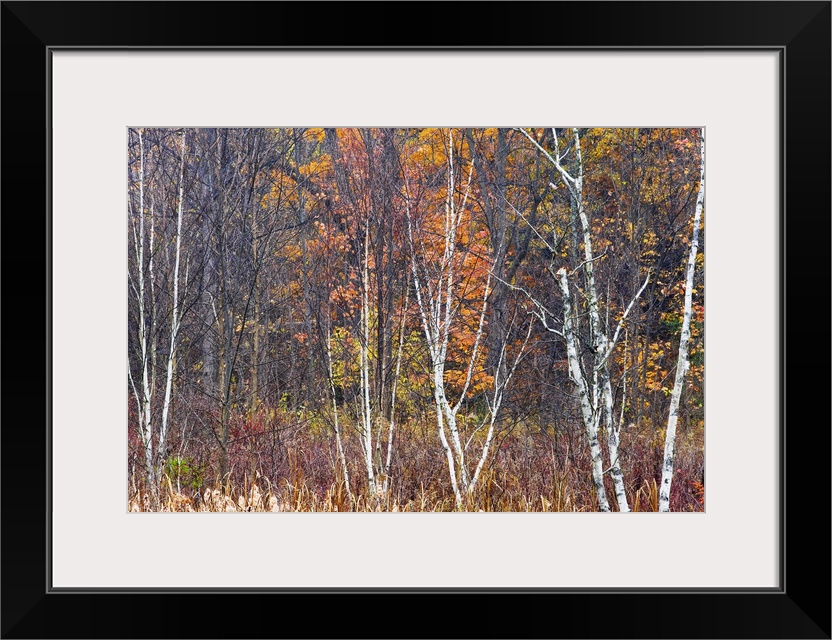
x: 614, y: 340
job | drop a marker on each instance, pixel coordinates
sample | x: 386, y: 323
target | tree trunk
x: 366, y: 415
x: 590, y: 417
x: 144, y: 393
x: 682, y: 363
x: 175, y: 313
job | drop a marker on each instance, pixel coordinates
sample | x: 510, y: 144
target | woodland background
x: 416, y: 319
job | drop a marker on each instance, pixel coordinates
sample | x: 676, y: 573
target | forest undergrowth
x: 290, y: 469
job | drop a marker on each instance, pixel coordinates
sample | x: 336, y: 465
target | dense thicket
x: 381, y: 318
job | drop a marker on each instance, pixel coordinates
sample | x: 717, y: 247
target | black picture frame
x: 799, y: 608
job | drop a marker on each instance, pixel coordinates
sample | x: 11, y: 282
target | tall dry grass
x: 292, y: 467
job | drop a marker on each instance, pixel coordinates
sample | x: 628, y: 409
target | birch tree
x: 594, y: 386
x: 352, y: 173
x: 364, y: 363
x: 176, y: 310
x: 682, y: 362
x: 439, y: 286
x: 153, y: 430
x: 143, y: 390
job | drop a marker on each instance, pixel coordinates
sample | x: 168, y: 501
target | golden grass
x: 260, y: 496
x: 294, y: 494
x: 650, y: 493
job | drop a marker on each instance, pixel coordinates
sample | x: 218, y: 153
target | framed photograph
x: 274, y: 288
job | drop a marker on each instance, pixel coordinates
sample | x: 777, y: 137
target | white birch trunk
x: 613, y: 442
x: 587, y: 411
x: 145, y: 397
x: 366, y: 417
x: 175, y: 312
x: 151, y: 285
x: 438, y: 391
x: 682, y: 363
